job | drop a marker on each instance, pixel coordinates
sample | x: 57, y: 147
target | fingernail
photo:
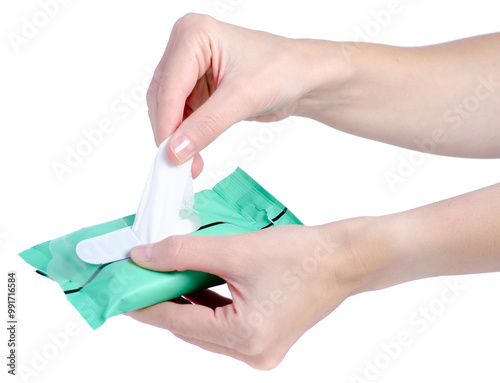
x: 182, y: 148
x: 141, y: 253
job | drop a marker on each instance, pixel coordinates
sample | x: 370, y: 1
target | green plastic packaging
x: 237, y: 204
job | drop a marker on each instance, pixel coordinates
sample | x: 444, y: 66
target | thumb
x: 205, y: 253
x: 221, y: 110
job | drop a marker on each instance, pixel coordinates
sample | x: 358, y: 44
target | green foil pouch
x: 237, y: 204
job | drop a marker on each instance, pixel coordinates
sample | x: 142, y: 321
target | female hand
x: 214, y: 74
x: 285, y: 279
x: 282, y: 281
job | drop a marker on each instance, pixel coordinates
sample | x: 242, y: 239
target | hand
x: 214, y: 74
x: 286, y: 278
x: 282, y: 281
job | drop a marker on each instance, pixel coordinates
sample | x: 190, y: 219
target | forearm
x: 442, y: 99
x: 460, y: 235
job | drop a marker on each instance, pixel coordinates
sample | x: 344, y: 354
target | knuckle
x: 193, y: 21
x: 151, y: 97
x: 154, y: 86
x: 164, y: 87
x: 266, y: 362
x: 238, y: 259
x: 168, y: 322
x: 157, y: 253
x: 210, y: 125
x: 175, y: 246
x: 168, y: 251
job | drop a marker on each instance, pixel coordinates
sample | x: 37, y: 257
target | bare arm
x: 460, y: 235
x: 443, y: 99
x: 285, y: 279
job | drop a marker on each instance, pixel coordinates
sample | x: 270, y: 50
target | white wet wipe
x: 108, y: 247
x: 166, y: 209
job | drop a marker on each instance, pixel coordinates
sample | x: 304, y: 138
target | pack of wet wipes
x: 93, y: 267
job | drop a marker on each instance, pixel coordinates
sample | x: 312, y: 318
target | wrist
x: 354, y: 248
x: 327, y: 70
x: 379, y: 260
x: 393, y: 249
x: 378, y: 252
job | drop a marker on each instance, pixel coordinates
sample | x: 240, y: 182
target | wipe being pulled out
x: 166, y: 208
x: 92, y: 265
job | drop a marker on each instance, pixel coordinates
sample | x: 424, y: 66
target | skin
x: 442, y: 99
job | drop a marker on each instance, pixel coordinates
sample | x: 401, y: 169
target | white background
x: 66, y: 79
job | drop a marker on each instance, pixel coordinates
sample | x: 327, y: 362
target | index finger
x: 185, y: 60
x: 193, y: 321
